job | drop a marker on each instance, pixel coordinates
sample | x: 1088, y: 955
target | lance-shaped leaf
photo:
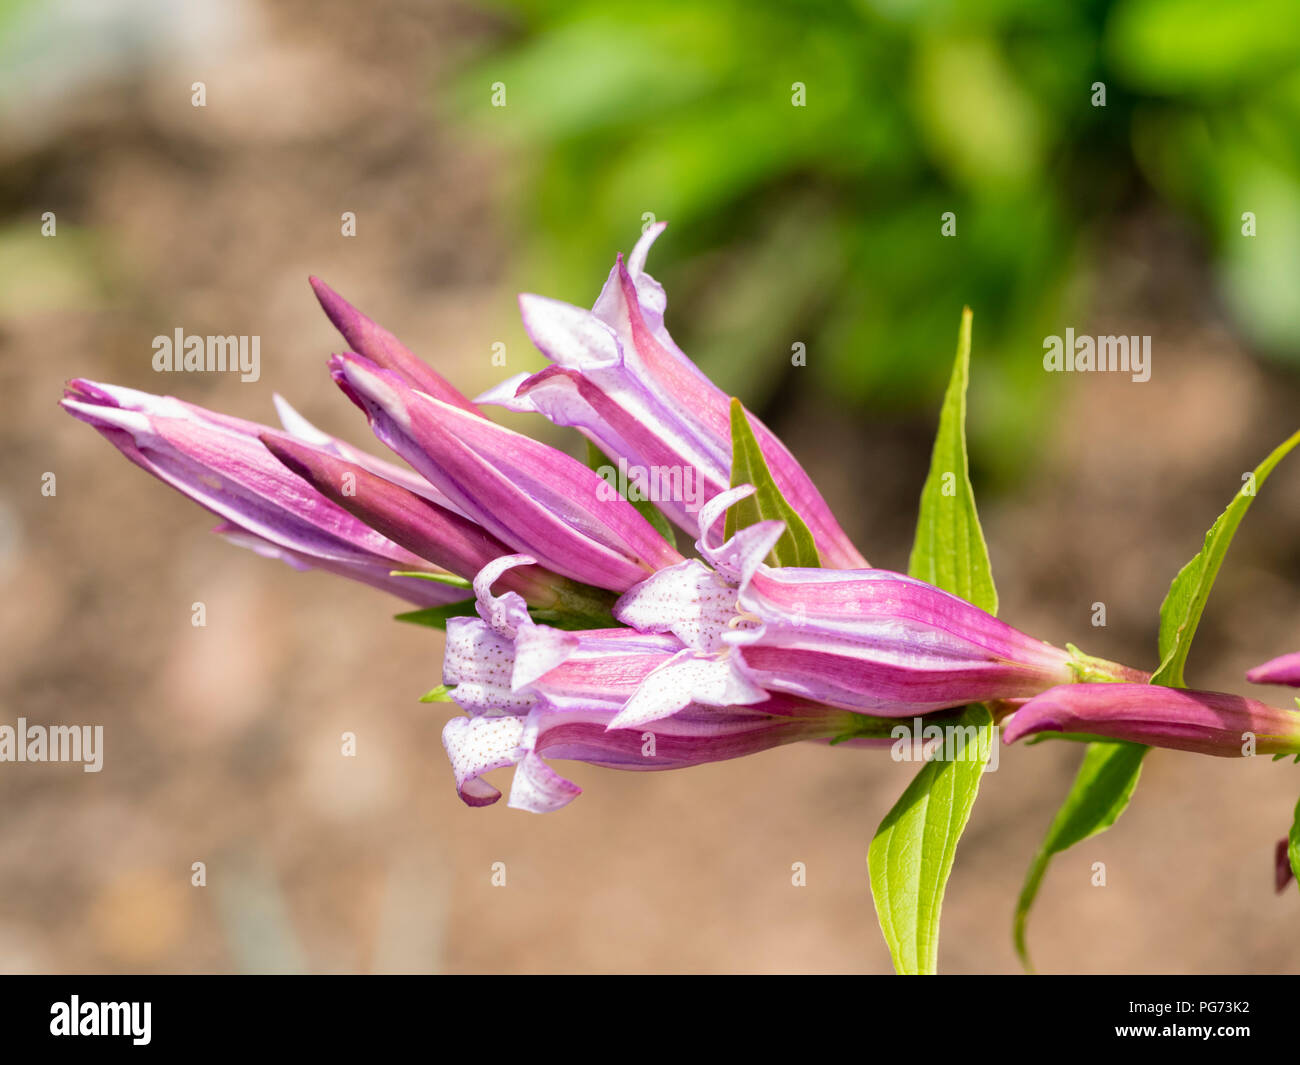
x: 796, y: 546
x: 1181, y: 611
x: 436, y: 617
x: 949, y: 550
x: 1109, y: 773
x: 912, y: 853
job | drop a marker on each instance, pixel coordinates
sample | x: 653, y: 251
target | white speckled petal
x: 476, y: 745
x: 538, y: 650
x: 538, y: 788
x: 739, y: 557
x: 507, y: 612
x: 717, y: 506
x: 687, y: 678
x: 481, y: 664
x: 689, y: 600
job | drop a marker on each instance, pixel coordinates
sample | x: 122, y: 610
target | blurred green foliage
x: 821, y: 223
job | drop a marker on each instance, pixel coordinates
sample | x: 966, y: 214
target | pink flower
x: 620, y: 379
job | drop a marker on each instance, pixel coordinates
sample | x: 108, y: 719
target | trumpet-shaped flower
x: 619, y: 377
x: 694, y: 736
x: 719, y: 656
x: 882, y: 643
x: 869, y: 641
x: 531, y: 690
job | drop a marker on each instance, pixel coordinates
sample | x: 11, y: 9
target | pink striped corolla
x: 618, y: 377
x: 868, y: 641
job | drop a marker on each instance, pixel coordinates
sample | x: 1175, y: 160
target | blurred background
x: 805, y: 155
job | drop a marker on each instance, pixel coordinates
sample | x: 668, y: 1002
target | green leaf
x: 571, y: 620
x: 597, y: 461
x: 436, y: 617
x: 1181, y: 611
x: 440, y: 578
x: 1099, y: 794
x: 440, y: 694
x: 1109, y: 773
x: 796, y: 546
x: 912, y: 853
x: 949, y: 550
x: 1293, y: 845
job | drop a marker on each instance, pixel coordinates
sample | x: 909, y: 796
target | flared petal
x: 686, y: 678
x: 689, y: 600
x: 736, y: 559
x: 619, y: 378
x: 476, y: 745
x: 539, y: 789
x: 694, y: 736
x: 695, y: 603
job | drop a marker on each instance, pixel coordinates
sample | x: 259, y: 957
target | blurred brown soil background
x: 223, y: 743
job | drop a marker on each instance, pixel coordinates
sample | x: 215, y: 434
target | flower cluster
x: 575, y: 628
